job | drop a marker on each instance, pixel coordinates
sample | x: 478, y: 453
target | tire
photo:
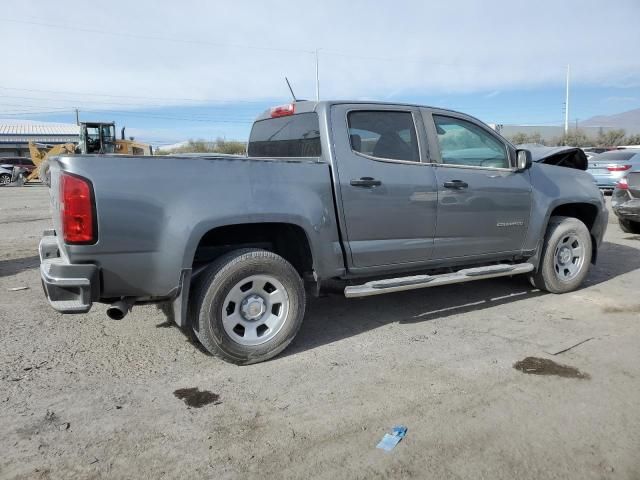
x: 629, y: 226
x: 5, y: 179
x: 566, y: 256
x: 247, y: 306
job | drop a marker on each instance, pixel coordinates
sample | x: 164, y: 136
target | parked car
x: 625, y: 202
x: 5, y: 175
x: 13, y: 176
x: 375, y: 197
x: 609, y: 167
x: 20, y: 162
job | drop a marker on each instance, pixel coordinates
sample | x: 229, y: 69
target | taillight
x: 618, y: 168
x: 622, y: 184
x: 77, y: 212
x: 283, y: 110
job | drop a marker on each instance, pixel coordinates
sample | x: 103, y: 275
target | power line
x: 308, y: 51
x: 76, y: 102
x: 158, y: 38
x: 67, y: 92
x: 168, y: 117
x: 31, y: 113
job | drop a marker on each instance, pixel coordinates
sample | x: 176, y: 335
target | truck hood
x: 572, y: 157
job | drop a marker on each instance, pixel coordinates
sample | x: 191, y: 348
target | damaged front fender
x: 570, y: 157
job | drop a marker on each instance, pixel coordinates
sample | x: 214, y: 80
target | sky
x: 170, y: 71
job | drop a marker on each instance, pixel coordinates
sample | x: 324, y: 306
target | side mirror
x: 523, y: 160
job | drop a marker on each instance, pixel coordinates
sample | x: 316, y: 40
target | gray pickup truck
x: 371, y: 198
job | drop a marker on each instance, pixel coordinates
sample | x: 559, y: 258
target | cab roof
x: 306, y: 106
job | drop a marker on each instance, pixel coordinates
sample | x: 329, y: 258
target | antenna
x: 566, y: 106
x: 317, y: 77
x: 291, y: 89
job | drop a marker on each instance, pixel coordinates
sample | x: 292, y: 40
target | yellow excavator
x: 95, y: 137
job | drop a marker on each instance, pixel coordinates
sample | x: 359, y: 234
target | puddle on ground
x: 195, y: 398
x: 544, y: 366
x: 622, y: 309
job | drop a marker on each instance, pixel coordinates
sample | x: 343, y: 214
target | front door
x: 387, y: 187
x: 483, y: 202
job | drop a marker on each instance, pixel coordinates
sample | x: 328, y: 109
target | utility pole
x: 77, y: 117
x: 317, y: 78
x: 577, y: 124
x: 566, y: 106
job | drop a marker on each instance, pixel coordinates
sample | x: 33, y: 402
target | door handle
x: 456, y: 184
x: 366, y: 182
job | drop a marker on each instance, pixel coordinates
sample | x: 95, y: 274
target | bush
x: 520, y: 138
x: 220, y: 145
x: 578, y: 138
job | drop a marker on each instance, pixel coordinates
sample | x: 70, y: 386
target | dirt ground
x: 88, y: 397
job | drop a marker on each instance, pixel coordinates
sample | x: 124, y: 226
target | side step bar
x: 378, y: 287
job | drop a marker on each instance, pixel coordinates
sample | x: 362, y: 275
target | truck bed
x: 153, y: 211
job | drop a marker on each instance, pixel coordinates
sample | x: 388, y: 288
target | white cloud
x: 367, y: 49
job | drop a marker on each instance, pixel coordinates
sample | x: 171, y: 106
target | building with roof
x: 15, y: 136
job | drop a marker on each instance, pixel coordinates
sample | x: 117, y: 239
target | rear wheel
x: 629, y: 226
x: 566, y: 255
x: 247, y: 306
x: 5, y: 179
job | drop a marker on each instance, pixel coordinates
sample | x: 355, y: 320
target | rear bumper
x: 69, y: 288
x: 625, y: 206
x: 628, y: 210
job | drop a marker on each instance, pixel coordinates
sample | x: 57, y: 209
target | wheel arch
x: 586, y: 212
x: 287, y: 239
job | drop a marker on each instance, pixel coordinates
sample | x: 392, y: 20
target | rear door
x: 388, y: 197
x: 483, y: 203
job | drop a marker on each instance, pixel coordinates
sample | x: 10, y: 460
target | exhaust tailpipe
x: 118, y: 310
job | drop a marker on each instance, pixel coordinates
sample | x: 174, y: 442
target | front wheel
x: 248, y: 306
x: 5, y: 179
x: 566, y: 255
x: 629, y: 226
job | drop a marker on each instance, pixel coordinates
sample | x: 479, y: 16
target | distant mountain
x: 629, y: 120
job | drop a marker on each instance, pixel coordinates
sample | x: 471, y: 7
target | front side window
x: 384, y: 134
x: 291, y: 136
x: 467, y: 144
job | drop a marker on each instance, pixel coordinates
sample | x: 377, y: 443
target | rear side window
x: 291, y: 136
x: 384, y: 134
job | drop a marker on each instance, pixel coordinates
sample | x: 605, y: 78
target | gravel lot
x: 88, y: 397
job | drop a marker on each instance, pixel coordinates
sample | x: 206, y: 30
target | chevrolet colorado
x: 373, y: 197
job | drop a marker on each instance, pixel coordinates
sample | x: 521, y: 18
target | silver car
x: 609, y: 167
x: 6, y: 176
